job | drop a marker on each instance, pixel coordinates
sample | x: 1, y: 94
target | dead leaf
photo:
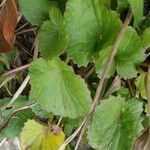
x: 8, y: 22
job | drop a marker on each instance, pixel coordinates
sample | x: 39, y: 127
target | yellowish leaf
x: 140, y: 83
x: 35, y: 136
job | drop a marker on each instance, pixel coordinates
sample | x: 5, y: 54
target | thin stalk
x: 13, y: 71
x: 18, y: 92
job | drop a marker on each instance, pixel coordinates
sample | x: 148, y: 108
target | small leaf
x: 19, y: 102
x: 53, y: 36
x: 36, y: 11
x: 122, y: 4
x: 55, y: 14
x: 137, y: 7
x: 38, y: 137
x: 145, y: 38
x: 16, y: 124
x: 123, y: 92
x: 8, y: 23
x: 116, y: 124
x: 57, y: 89
x: 129, y: 55
x: 17, y: 121
x: 89, y: 24
x: 140, y: 82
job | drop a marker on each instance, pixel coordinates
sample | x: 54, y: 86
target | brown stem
x: 25, y: 31
x: 13, y: 71
x: 130, y: 88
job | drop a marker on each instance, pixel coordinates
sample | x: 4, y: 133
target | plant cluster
x: 86, y: 81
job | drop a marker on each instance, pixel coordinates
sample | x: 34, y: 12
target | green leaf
x: 129, y: 55
x: 6, y: 59
x: 140, y: 82
x: 17, y: 121
x: 19, y: 102
x: 16, y: 124
x: 101, y: 59
x: 122, y: 4
x: 116, y: 124
x: 53, y: 36
x: 137, y: 7
x: 55, y: 15
x: 57, y: 89
x: 89, y: 24
x: 38, y: 110
x: 145, y: 38
x: 36, y: 11
x: 40, y: 137
x: 105, y: 2
x: 123, y: 92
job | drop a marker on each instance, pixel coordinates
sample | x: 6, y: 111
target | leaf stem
x: 130, y: 88
x: 59, y: 121
x: 70, y: 138
x: 27, y: 30
x: 18, y: 92
x: 2, y: 142
x: 6, y: 80
x: 13, y: 71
